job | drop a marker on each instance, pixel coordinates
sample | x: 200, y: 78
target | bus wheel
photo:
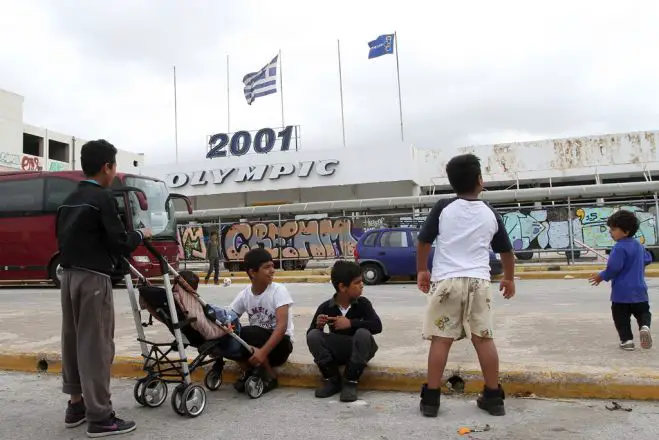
x: 55, y: 272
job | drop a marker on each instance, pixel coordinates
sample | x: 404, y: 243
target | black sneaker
x: 239, y: 385
x: 112, y: 426
x: 351, y: 376
x: 492, y: 401
x: 270, y: 384
x: 331, y: 381
x: 331, y: 386
x: 75, y: 414
x: 348, y: 391
x: 430, y: 401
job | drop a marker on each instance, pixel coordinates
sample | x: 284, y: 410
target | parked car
x: 391, y: 252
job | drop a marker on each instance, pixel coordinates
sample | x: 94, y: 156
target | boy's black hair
x: 191, y: 278
x: 624, y: 220
x: 345, y: 272
x: 255, y: 258
x: 213, y: 233
x: 463, y: 173
x: 95, y: 154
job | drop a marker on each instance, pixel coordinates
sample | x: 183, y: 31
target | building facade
x: 31, y: 148
x: 278, y: 175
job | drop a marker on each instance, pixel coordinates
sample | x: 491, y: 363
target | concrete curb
x: 550, y: 384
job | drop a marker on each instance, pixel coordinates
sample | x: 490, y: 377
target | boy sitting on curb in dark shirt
x: 352, y: 323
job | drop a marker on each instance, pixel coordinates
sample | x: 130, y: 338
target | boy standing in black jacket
x: 352, y: 323
x: 92, y: 239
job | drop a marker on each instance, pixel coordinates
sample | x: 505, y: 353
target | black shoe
x: 75, y: 414
x: 239, y: 385
x: 112, y: 426
x: 269, y: 384
x: 492, y: 401
x: 430, y: 399
x: 351, y: 377
x: 348, y: 391
x: 331, y: 381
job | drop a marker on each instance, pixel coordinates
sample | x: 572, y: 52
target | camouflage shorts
x: 458, y: 307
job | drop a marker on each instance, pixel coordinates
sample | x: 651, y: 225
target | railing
x: 537, y: 220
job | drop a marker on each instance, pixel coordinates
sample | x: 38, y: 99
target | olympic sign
x: 261, y: 141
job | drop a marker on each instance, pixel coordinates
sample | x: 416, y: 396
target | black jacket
x: 361, y: 315
x: 90, y: 233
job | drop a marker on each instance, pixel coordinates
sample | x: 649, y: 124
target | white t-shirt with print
x: 262, y: 309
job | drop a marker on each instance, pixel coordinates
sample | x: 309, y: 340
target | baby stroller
x: 193, y: 322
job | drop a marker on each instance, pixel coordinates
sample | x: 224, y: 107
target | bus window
x: 56, y: 191
x: 19, y: 197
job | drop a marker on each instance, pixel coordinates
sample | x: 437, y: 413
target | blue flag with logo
x: 382, y: 45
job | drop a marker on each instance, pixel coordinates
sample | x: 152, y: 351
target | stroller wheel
x: 254, y: 387
x: 177, y: 398
x: 154, y: 393
x: 194, y: 400
x: 213, y: 379
x: 138, y: 391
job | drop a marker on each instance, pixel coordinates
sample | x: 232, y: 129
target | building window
x: 32, y: 145
x: 58, y: 151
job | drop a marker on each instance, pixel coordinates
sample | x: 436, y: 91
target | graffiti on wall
x: 548, y: 229
x: 31, y: 163
x: 192, y: 243
x: 296, y: 239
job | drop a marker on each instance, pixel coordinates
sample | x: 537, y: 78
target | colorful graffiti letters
x: 296, y: 239
x: 192, y: 241
x: 533, y: 231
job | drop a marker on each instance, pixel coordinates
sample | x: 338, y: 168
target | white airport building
x: 245, y: 178
x: 32, y: 148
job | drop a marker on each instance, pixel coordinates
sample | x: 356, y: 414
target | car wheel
x: 525, y: 256
x: 372, y: 274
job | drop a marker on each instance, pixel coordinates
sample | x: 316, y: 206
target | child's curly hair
x: 624, y: 220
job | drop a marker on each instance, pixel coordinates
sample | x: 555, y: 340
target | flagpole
x: 281, y: 86
x: 400, y: 104
x: 175, y: 117
x: 228, y: 106
x: 343, y: 127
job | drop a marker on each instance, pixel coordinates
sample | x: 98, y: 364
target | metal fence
x: 542, y: 229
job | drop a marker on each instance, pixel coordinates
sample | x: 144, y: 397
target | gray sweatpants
x: 88, y: 340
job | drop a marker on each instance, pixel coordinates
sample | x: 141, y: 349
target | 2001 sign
x: 241, y: 142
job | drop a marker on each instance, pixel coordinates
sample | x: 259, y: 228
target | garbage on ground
x: 617, y: 407
x: 467, y: 430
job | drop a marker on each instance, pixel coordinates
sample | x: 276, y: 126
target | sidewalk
x: 33, y: 408
x: 555, y: 338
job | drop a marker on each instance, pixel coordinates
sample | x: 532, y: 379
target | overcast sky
x: 471, y: 72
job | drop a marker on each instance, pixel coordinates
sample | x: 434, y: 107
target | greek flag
x: 261, y: 83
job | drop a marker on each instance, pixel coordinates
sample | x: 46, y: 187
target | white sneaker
x: 646, y: 337
x: 627, y: 345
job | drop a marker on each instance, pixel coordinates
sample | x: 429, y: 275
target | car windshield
x: 161, y: 216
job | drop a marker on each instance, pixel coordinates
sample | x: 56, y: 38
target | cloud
x: 473, y: 72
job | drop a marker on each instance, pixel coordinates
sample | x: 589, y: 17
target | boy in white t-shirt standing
x: 459, y: 297
x: 270, y: 329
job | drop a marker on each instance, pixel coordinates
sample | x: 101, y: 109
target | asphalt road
x: 551, y: 324
x: 33, y: 408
